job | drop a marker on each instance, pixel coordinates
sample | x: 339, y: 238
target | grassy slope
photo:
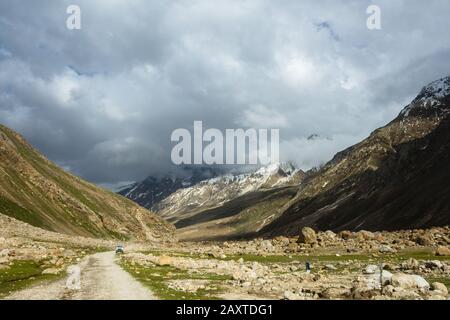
x: 36, y: 191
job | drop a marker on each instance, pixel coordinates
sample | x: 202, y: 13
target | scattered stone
x: 386, y: 249
x: 434, y: 264
x: 443, y: 251
x: 371, y: 269
x: 329, y: 236
x: 437, y: 286
x: 407, y: 281
x: 423, y: 240
x: 308, y: 236
x: 267, y: 246
x: 289, y: 295
x: 164, y: 261
x: 410, y: 264
x: 52, y: 271
x: 345, y: 235
x: 365, y: 235
x: 330, y: 267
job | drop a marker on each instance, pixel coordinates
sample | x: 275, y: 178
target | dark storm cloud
x: 103, y: 101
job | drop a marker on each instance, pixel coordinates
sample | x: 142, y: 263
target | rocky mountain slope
x: 395, y: 179
x: 217, y: 191
x: 228, y: 205
x: 36, y: 191
x: 152, y: 190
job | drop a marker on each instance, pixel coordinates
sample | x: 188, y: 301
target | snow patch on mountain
x: 430, y: 97
x: 219, y: 190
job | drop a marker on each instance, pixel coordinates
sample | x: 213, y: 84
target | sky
x: 103, y: 101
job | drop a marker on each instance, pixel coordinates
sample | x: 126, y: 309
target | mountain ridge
x: 36, y: 191
x: 336, y: 197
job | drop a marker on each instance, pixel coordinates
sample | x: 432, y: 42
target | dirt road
x: 101, y: 279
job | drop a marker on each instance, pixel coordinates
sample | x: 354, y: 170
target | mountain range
x: 397, y: 178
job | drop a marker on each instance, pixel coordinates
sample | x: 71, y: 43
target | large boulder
x: 423, y: 240
x: 345, y: 234
x: 365, y: 235
x: 308, y: 236
x: 409, y: 281
x: 437, y: 286
x: 443, y: 251
x: 410, y: 264
x: 266, y: 245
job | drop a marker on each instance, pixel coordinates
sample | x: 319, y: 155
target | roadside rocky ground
x: 415, y: 264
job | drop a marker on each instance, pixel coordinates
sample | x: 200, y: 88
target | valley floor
x: 415, y: 264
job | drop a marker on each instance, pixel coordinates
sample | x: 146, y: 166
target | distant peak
x: 437, y: 89
x: 432, y: 98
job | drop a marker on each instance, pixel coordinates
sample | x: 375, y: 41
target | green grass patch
x: 22, y: 274
x: 444, y: 280
x: 13, y: 210
x: 156, y: 278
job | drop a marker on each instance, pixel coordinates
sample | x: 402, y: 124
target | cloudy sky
x: 102, y: 101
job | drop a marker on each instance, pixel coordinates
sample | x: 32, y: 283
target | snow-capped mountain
x: 152, y: 190
x: 431, y: 100
x: 217, y: 191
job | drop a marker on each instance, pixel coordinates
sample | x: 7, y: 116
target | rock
x: 410, y: 264
x: 437, y: 286
x: 52, y: 271
x: 423, y: 240
x: 164, y: 261
x: 434, y: 264
x: 334, y: 293
x: 407, y: 281
x: 330, y: 267
x: 386, y: 249
x: 267, y: 246
x: 388, y: 290
x: 329, y: 236
x: 436, y: 295
x: 59, y: 262
x: 386, y: 277
x: 289, y: 295
x: 365, y: 235
x: 442, y: 251
x: 308, y: 236
x: 345, y: 235
x: 283, y: 241
x: 293, y: 247
x: 188, y: 285
x: 403, y: 294
x: 371, y: 269
x: 365, y: 288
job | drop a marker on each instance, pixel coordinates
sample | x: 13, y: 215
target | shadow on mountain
x: 410, y: 189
